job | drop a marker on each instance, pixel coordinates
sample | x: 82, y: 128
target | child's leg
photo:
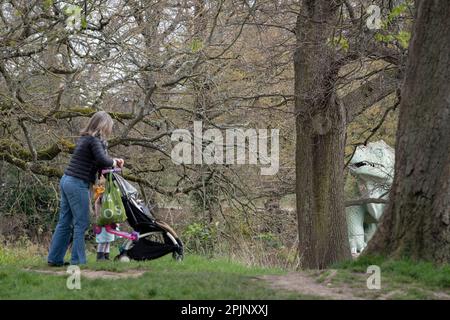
x: 107, y: 247
x: 101, y: 250
x: 101, y: 247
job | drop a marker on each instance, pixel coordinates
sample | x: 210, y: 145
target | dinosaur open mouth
x: 363, y: 163
x: 360, y: 164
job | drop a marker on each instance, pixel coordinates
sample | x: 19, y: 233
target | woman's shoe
x: 51, y: 264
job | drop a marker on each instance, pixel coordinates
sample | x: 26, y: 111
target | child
x: 104, y: 238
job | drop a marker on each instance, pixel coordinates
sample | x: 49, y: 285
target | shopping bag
x: 112, y: 209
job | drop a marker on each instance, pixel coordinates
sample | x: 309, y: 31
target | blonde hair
x: 100, y: 124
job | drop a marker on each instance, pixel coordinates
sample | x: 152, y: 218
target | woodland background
x: 158, y: 65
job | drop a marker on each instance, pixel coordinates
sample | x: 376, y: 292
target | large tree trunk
x: 417, y: 221
x: 320, y: 127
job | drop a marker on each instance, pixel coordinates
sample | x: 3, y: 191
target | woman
x: 88, y: 158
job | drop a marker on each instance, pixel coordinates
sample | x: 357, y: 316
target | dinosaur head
x: 375, y: 161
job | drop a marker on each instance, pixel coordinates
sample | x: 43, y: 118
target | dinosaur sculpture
x: 373, y: 167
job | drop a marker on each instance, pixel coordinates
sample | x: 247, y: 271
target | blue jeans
x: 73, y: 220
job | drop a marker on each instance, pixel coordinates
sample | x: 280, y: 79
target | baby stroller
x: 151, y: 239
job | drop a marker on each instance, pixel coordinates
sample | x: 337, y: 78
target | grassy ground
x: 194, y: 278
x: 198, y: 277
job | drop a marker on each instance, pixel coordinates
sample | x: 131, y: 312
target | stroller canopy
x: 126, y: 188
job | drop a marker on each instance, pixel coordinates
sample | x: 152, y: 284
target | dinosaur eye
x: 379, y: 153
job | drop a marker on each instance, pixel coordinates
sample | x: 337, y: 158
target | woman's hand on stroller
x: 119, y: 162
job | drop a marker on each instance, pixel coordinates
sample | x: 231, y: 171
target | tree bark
x: 320, y: 134
x: 416, y: 223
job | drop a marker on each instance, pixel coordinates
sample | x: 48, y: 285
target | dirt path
x: 316, y: 285
x: 320, y: 284
x: 305, y: 284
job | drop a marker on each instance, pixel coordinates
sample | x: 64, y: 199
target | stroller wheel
x: 177, y: 256
x: 122, y: 258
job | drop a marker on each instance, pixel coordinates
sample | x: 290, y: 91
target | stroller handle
x: 111, y: 170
